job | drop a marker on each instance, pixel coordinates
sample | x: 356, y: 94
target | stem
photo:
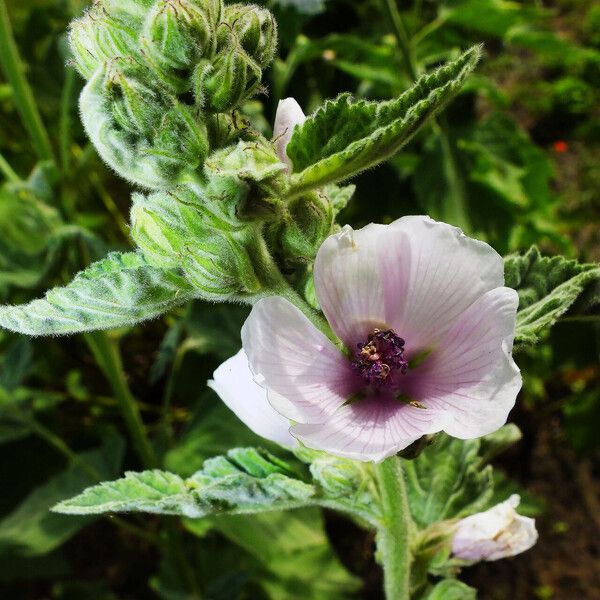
x: 399, y: 29
x: 8, y: 171
x: 393, y: 538
x: 24, y: 99
x: 108, y: 357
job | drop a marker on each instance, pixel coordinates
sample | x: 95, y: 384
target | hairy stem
x: 393, y: 537
x: 23, y: 96
x: 108, y: 357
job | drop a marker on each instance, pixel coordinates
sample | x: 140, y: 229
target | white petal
x: 359, y: 280
x: 369, y: 430
x: 234, y: 383
x: 415, y: 276
x: 305, y: 375
x: 494, y: 534
x: 289, y: 114
x: 471, y: 379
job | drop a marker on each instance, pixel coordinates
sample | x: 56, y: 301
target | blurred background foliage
x: 515, y: 160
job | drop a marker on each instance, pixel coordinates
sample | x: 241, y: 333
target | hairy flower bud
x: 254, y: 168
x: 97, y: 37
x: 177, y: 230
x: 144, y: 133
x: 255, y: 30
x: 233, y: 78
x: 176, y: 35
x: 309, y: 223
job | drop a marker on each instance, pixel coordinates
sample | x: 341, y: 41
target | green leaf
x: 547, y: 288
x: 345, y: 136
x: 31, y: 529
x: 451, y: 589
x: 118, y: 291
x: 244, y: 481
x: 294, y: 551
x: 447, y: 481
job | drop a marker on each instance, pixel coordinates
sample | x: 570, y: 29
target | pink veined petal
x: 235, y: 385
x: 305, y: 375
x: 289, y: 114
x: 415, y: 276
x: 447, y: 272
x: 369, y: 430
x: 471, y: 378
x: 360, y: 280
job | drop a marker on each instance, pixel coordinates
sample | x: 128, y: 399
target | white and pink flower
x: 426, y: 329
x: 494, y: 534
x: 289, y: 114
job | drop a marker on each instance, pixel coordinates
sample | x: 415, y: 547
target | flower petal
x: 235, y: 385
x: 368, y: 430
x: 494, y: 534
x: 471, y: 379
x: 305, y: 375
x: 415, y: 276
x: 358, y: 275
x: 289, y: 114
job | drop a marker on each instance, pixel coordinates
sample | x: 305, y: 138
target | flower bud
x: 177, y: 34
x: 135, y: 107
x: 255, y: 30
x: 233, y: 78
x: 494, y: 534
x: 289, y: 114
x: 308, y: 224
x: 248, y: 180
x: 97, y: 37
x: 175, y: 229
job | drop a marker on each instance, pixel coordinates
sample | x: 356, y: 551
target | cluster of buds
x: 159, y: 72
x: 165, y: 81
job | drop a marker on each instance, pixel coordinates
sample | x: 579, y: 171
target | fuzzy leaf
x: 244, y: 481
x: 451, y: 589
x: 118, y: 291
x: 346, y: 136
x: 446, y: 481
x: 547, y: 288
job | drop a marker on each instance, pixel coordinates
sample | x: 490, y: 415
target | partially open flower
x: 289, y: 114
x: 428, y: 330
x: 494, y: 534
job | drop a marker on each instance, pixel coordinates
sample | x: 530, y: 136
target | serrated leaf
x: 547, y: 288
x: 118, y: 291
x: 345, y: 136
x: 447, y: 481
x: 451, y: 589
x: 244, y: 481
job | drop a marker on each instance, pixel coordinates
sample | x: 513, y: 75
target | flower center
x: 381, y: 355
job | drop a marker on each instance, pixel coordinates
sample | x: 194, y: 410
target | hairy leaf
x: 244, y: 481
x: 447, y: 481
x: 345, y: 136
x: 118, y: 291
x: 547, y: 288
x: 451, y: 589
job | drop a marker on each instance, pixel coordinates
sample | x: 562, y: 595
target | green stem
x: 108, y: 357
x: 24, y: 99
x: 400, y: 33
x: 8, y: 171
x: 65, y: 120
x: 393, y: 537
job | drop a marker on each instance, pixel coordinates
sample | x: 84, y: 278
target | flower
x: 427, y: 330
x: 233, y: 382
x: 289, y: 114
x: 496, y: 533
